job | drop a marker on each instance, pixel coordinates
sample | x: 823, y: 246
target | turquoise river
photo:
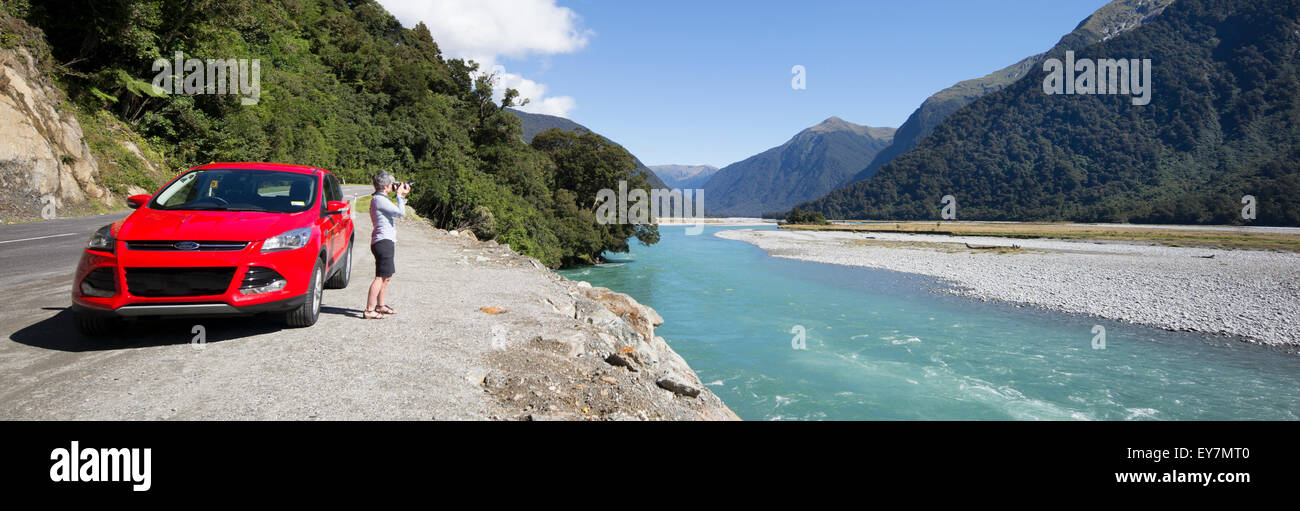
x: 885, y: 345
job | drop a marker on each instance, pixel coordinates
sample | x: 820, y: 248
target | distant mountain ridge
x: 1223, y: 124
x: 1111, y: 19
x: 537, y: 123
x: 812, y: 163
x: 684, y: 176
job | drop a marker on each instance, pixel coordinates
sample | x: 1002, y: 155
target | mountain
x: 1223, y: 122
x: 814, y: 162
x: 1111, y: 19
x: 537, y: 123
x: 684, y: 176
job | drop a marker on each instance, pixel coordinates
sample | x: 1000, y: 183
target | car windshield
x: 239, y: 190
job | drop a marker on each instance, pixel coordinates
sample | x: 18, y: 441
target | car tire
x: 344, y: 275
x: 307, y: 313
x: 91, y: 325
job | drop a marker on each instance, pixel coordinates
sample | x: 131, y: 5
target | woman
x: 383, y: 241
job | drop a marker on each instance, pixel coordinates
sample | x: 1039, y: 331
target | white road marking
x: 39, y: 238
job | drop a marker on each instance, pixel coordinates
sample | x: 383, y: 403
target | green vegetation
x: 1110, y: 19
x: 800, y: 217
x: 1224, y: 122
x: 1231, y: 239
x: 343, y: 86
x: 537, y: 123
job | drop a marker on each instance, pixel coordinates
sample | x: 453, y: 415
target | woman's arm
x: 385, y: 205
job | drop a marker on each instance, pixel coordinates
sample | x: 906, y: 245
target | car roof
x: 282, y: 167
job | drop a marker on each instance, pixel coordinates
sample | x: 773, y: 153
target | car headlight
x: 102, y: 240
x: 296, y: 238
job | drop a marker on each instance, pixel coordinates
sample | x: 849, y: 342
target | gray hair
x: 382, y: 180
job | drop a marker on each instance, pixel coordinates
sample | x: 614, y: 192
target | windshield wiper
x: 198, y: 208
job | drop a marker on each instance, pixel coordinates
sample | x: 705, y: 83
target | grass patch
x: 119, y: 167
x: 947, y: 248
x: 1234, y: 239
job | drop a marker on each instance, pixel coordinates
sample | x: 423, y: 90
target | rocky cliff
x: 590, y: 353
x: 44, y: 158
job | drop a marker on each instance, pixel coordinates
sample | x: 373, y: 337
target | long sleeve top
x: 382, y: 214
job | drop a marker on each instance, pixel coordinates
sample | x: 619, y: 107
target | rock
x: 678, y: 385
x: 621, y: 360
x: 622, y: 417
x: 538, y: 417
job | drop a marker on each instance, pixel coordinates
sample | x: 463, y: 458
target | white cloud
x: 538, y: 101
x: 483, y: 30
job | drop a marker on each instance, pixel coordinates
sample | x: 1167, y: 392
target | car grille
x: 160, y: 282
x: 202, y: 246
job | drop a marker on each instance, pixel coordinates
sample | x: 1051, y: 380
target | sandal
x: 388, y: 311
x: 372, y: 314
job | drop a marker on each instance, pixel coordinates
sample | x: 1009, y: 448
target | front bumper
x: 190, y: 309
x: 216, y: 298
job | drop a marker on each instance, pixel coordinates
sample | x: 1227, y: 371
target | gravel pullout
x: 481, y: 333
x: 1251, y: 294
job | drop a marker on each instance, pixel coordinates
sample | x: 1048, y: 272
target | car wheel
x: 94, y: 325
x: 307, y: 313
x: 344, y: 275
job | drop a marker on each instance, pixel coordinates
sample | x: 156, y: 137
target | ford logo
x: 185, y: 245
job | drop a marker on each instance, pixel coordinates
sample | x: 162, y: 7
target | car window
x: 239, y: 190
x: 332, y: 190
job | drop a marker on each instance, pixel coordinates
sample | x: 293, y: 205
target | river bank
x: 1248, y: 294
x: 482, y: 333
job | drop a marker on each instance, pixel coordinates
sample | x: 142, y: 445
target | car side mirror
x: 135, y: 201
x: 336, y: 207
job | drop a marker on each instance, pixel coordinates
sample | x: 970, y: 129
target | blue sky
x: 708, y: 82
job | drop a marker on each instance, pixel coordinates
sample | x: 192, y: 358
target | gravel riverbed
x: 1254, y: 295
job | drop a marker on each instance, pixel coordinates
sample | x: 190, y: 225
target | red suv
x: 220, y: 239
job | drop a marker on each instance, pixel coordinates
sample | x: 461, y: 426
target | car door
x: 337, y: 233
